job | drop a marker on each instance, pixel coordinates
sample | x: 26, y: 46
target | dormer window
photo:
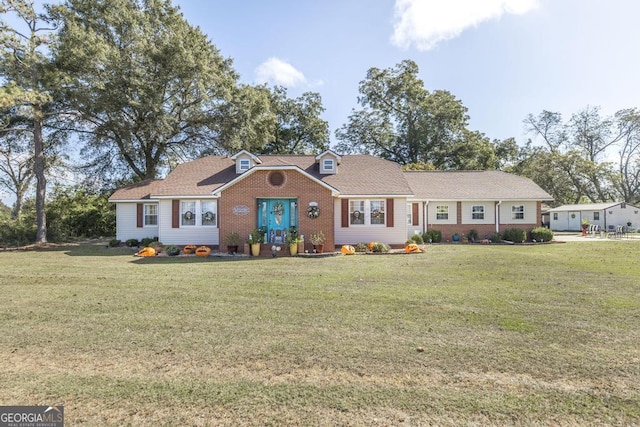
x: 328, y: 165
x: 245, y: 161
x: 328, y: 162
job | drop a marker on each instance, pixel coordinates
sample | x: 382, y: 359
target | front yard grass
x: 462, y: 334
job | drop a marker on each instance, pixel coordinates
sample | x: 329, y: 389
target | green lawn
x: 459, y: 335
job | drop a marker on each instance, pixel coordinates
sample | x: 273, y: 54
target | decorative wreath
x: 313, y: 212
x: 356, y: 214
x: 188, y: 215
x: 208, y: 216
x: 376, y: 213
x: 278, y: 209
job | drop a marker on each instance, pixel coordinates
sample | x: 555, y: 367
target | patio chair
x: 611, y: 231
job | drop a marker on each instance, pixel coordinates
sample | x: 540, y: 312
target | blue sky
x: 504, y: 59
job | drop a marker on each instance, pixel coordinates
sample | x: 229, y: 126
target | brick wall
x: 257, y: 186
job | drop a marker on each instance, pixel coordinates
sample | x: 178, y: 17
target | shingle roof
x: 585, y: 207
x: 138, y: 191
x: 358, y: 175
x: 473, y: 185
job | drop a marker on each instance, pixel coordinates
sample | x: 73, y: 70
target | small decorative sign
x: 241, y: 210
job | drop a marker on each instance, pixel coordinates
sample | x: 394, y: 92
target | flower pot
x: 319, y: 248
x: 293, y: 249
x: 255, y: 249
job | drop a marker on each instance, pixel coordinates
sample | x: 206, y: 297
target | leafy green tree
x: 298, y: 129
x: 148, y: 88
x: 77, y: 213
x: 27, y: 78
x: 574, y: 151
x: 626, y: 180
x: 16, y: 167
x: 402, y: 121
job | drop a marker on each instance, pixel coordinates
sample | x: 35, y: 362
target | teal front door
x: 277, y: 216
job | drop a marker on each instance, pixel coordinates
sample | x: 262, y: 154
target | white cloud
x: 279, y: 72
x: 426, y: 23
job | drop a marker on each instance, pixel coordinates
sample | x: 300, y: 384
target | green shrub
x: 146, y: 242
x: 416, y: 238
x: 472, y: 235
x: 172, y: 250
x: 496, y: 238
x: 380, y: 247
x: 114, y: 243
x: 435, y: 236
x: 515, y: 235
x: 361, y: 247
x: 132, y: 242
x: 541, y: 234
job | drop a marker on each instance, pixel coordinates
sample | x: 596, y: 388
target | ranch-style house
x: 351, y: 198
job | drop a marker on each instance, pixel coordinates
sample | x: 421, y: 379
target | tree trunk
x: 41, y: 181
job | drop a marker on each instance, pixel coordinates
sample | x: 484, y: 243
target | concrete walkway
x: 578, y: 237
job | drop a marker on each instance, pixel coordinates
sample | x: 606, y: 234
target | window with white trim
x: 208, y: 214
x: 376, y: 212
x: 596, y: 216
x: 442, y: 212
x: 244, y: 164
x: 555, y: 216
x: 356, y: 212
x: 367, y: 212
x: 477, y: 212
x: 150, y: 214
x: 328, y: 165
x: 517, y: 212
x: 409, y: 213
x: 188, y: 212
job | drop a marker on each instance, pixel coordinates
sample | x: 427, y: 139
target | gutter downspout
x: 426, y: 216
x: 498, y: 216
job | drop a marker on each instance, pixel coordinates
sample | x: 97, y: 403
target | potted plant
x: 317, y: 239
x: 292, y: 241
x: 455, y: 237
x: 585, y: 225
x: 256, y: 238
x: 233, y: 241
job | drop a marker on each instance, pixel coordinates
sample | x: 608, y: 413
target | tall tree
x: 402, y: 121
x: 147, y: 87
x: 574, y: 149
x: 627, y: 179
x: 16, y: 167
x: 298, y: 129
x: 26, y: 74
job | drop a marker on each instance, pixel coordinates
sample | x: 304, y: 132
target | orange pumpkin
x: 189, y: 249
x: 146, y: 252
x: 371, y: 245
x: 348, y: 250
x: 203, y: 251
x: 412, y: 248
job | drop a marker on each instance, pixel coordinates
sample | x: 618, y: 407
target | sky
x: 503, y: 59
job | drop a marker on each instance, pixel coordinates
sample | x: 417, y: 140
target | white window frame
x: 380, y: 206
x: 596, y: 216
x: 365, y: 207
x: 479, y: 214
x: 555, y: 216
x: 148, y: 214
x: 244, y: 164
x: 188, y: 206
x: 359, y: 206
x: 442, y: 212
x: 409, y: 213
x: 517, y: 212
x: 208, y: 206
x: 328, y: 165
